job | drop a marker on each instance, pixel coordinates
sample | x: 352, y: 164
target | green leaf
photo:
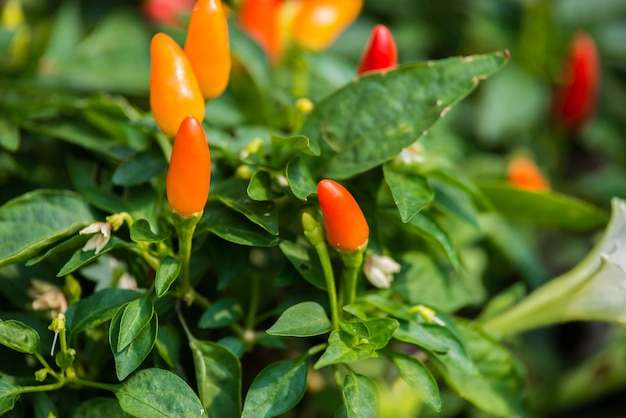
x: 430, y: 230
x: 141, y: 169
x: 277, y: 389
x: 9, y: 135
x: 140, y: 231
x: 37, y: 219
x: 305, y: 319
x: 136, y: 316
x: 131, y: 357
x: 415, y: 333
x: 232, y: 227
x: 417, y: 375
x: 306, y: 261
x: 19, y: 337
x: 296, y: 142
x: 260, y: 187
x: 345, y: 348
x: 218, y: 375
x: 81, y: 258
x: 381, y: 331
x: 382, y: 300
x: 168, y: 271
x: 221, y: 313
x: 167, y: 344
x: 8, y: 395
x: 232, y: 193
x: 410, y: 190
x: 98, y: 308
x: 456, y: 355
x: 544, y: 209
x: 300, y: 179
x: 100, y: 408
x: 499, y: 388
x: 360, y: 396
x: 157, y: 393
x: 372, y: 119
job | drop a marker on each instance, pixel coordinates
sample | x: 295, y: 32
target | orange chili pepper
x: 524, y: 174
x: 189, y: 174
x: 260, y: 19
x: 575, y: 98
x: 319, y: 22
x: 174, y: 90
x: 344, y: 223
x: 380, y: 53
x: 207, y: 47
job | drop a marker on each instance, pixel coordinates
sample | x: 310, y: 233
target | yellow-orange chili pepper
x: 260, y: 19
x: 207, y: 47
x: 524, y: 174
x: 319, y: 22
x: 344, y: 223
x: 189, y: 174
x: 174, y: 90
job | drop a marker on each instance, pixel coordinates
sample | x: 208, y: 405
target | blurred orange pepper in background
x: 318, y: 23
x: 524, y: 174
x: 207, y: 47
x: 174, y: 90
x: 380, y: 53
x: 189, y: 174
x: 576, y: 95
x: 260, y: 19
x: 344, y: 223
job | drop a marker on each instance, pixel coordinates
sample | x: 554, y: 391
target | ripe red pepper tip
x: 189, y: 174
x: 344, y: 223
x: 524, y: 174
x: 380, y: 53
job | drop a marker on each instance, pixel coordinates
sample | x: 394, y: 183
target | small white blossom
x: 47, y: 296
x: 379, y: 270
x: 412, y: 154
x: 102, y: 237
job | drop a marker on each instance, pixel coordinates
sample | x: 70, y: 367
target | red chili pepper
x: 174, y: 90
x: 524, y: 174
x: 207, y: 47
x: 319, y: 22
x: 167, y: 12
x: 344, y: 223
x: 576, y: 96
x: 260, y: 19
x: 189, y: 173
x: 381, y: 52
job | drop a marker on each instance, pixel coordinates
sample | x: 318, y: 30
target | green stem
x: 352, y: 261
x: 255, y: 295
x: 185, y: 227
x: 165, y: 144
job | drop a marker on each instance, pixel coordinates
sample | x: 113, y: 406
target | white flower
x: 100, y: 240
x: 379, y: 270
x: 47, y: 296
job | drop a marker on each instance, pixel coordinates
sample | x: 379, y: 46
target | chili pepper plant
x: 212, y: 214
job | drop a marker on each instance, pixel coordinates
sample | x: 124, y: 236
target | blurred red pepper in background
x: 380, y: 53
x: 576, y: 95
x: 167, y: 12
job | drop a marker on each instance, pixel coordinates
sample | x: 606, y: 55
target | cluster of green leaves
x: 106, y: 157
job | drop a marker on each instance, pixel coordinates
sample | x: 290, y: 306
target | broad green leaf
x: 296, y: 143
x: 306, y: 261
x: 381, y: 331
x: 100, y: 408
x: 221, y: 313
x: 415, y: 333
x: 430, y: 230
x: 260, y: 187
x: 69, y: 244
x: 167, y: 344
x: 382, y: 300
x: 300, y: 179
x: 345, y: 348
x: 81, y: 258
x: 218, y: 375
x: 544, y: 209
x: 8, y: 395
x: 372, y: 119
x: 135, y: 317
x: 166, y: 274
x: 34, y: 220
x: 360, y: 396
x: 128, y: 359
x: 19, y: 337
x: 305, y: 319
x: 456, y: 355
x: 417, y: 375
x: 233, y: 227
x: 233, y: 194
x: 498, y: 389
x: 140, y: 231
x: 9, y: 135
x: 410, y: 190
x: 157, y: 393
x: 277, y: 389
x: 98, y: 308
x: 141, y: 169
x: 455, y: 204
